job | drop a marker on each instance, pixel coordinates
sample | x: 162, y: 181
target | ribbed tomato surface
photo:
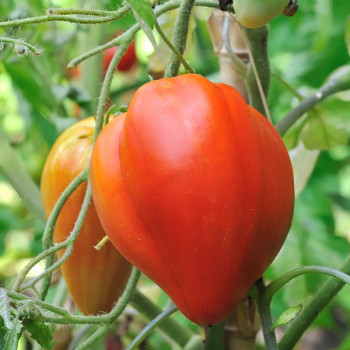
x: 195, y: 188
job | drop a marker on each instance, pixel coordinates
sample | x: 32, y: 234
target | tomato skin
x: 126, y: 62
x: 195, y: 189
x: 95, y: 279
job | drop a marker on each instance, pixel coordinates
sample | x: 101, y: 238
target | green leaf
x: 41, y: 332
x: 347, y: 35
x: 147, y: 30
x: 319, y: 134
x: 287, y: 316
x: 292, y: 136
x: 143, y: 10
x: 4, y: 309
x: 12, y: 337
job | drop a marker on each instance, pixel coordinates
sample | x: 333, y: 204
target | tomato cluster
x: 192, y: 186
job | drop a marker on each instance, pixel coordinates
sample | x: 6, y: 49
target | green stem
x: 150, y: 326
x: 100, y: 17
x: 20, y: 298
x: 11, y: 167
x: 258, y: 74
x: 265, y: 317
x: 106, y: 85
x: 21, y: 276
x: 68, y: 318
x: 279, y: 282
x: 173, y: 329
x: 66, y: 18
x: 173, y: 48
x: 180, y: 36
x: 325, y: 91
x: 79, y: 335
x: 50, y: 226
x: 99, y: 333
x: 320, y: 300
x: 14, y: 41
x: 88, y: 12
x: 70, y: 240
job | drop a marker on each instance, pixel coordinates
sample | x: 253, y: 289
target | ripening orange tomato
x: 95, y: 279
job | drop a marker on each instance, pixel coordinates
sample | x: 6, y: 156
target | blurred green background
x: 39, y: 98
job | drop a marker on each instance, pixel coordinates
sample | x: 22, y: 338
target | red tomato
x: 127, y: 61
x: 94, y: 278
x: 194, y: 188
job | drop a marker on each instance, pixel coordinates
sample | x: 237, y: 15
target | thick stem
x: 265, y: 317
x: 258, y: 75
x: 180, y: 36
x: 320, y: 300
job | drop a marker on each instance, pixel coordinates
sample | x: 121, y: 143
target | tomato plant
x: 95, y: 278
x: 191, y: 167
x: 192, y: 185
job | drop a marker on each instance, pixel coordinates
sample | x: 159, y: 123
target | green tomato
x: 256, y: 13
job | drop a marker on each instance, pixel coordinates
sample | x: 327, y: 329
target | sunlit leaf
x: 143, y: 10
x: 147, y: 29
x: 303, y: 161
x: 287, y: 316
